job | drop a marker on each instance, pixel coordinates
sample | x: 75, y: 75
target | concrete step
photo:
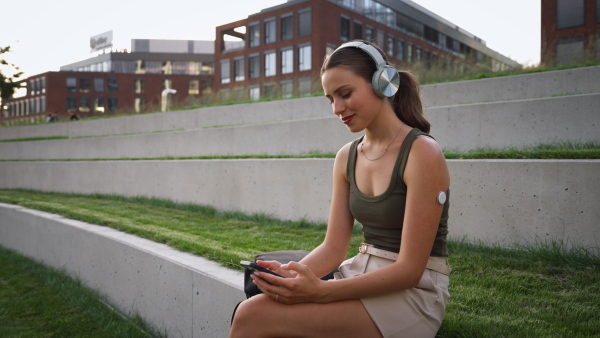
x: 520, y: 124
x: 517, y: 87
x: 282, y: 110
x: 495, y: 201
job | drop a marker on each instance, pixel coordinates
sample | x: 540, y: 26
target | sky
x: 45, y: 35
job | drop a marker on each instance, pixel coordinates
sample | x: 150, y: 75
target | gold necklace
x: 386, y: 148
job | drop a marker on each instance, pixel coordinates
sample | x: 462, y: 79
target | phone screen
x: 255, y: 267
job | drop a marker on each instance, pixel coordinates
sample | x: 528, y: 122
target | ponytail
x: 407, y: 102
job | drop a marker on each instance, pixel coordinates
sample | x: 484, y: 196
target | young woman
x: 395, y: 182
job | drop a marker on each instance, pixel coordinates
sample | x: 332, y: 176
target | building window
x: 99, y: 105
x: 254, y: 66
x: 84, y: 104
x: 287, y: 27
x: 369, y: 34
x: 344, y: 29
x: 139, y: 104
x: 304, y: 57
x: 400, y: 54
x: 84, y: 84
x: 409, y: 53
x: 287, y: 89
x: 569, y: 13
x: 254, y: 34
x: 71, y: 85
x: 111, y: 104
x: 140, y: 86
x: 225, y: 95
x: 193, y: 68
x: 140, y: 67
x: 269, y: 90
x: 418, y: 54
x: 380, y: 41
x: 358, y: 30
x: 153, y: 67
x: 270, y: 65
x: 270, y: 31
x: 98, y: 84
x: 167, y: 84
x: 167, y: 67
x: 239, y: 69
x: 71, y: 103
x: 304, y: 86
x: 225, y: 71
x: 441, y: 40
x: 113, y: 84
x: 194, y: 87
x: 43, y: 103
x: 207, y: 88
x: 239, y: 94
x: 304, y: 23
x: 570, y: 51
x: 255, y: 93
x: 206, y: 69
x: 287, y: 61
x: 390, y: 46
x: 43, y: 85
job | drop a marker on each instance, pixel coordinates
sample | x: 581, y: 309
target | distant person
x: 53, y: 117
x: 49, y: 118
x: 73, y: 116
x: 394, y: 181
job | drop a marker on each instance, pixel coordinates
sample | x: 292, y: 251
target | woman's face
x: 352, y: 98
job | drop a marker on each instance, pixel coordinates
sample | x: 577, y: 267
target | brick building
x: 570, y: 31
x: 281, y: 48
x: 118, y: 82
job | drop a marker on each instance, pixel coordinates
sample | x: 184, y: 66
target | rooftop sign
x: 101, y: 41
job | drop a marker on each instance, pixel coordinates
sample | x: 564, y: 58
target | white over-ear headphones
x: 386, y: 80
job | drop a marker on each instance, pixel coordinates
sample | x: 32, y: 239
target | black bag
x: 284, y: 257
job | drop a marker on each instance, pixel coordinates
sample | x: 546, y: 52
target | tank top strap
x: 352, y: 160
x: 405, y: 151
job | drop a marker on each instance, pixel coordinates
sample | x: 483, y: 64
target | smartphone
x: 255, y: 267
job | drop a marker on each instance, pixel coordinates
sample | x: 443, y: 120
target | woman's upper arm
x: 425, y: 175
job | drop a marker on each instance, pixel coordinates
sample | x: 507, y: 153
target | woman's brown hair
x: 406, y: 102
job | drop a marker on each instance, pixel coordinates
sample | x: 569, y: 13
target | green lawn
x: 36, y: 301
x: 540, y: 290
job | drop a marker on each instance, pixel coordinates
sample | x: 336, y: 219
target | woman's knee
x: 249, y: 312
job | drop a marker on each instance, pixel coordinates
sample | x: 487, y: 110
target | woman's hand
x: 300, y: 286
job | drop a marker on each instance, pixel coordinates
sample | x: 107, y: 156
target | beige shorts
x: 416, y: 312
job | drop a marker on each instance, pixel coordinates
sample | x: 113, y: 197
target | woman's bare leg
x: 261, y: 316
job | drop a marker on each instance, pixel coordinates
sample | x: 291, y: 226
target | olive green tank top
x: 382, y: 216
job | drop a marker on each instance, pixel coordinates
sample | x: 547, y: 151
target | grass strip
x: 536, y: 290
x: 38, y: 138
x: 37, y: 301
x: 553, y: 151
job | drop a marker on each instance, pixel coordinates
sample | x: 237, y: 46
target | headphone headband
x: 386, y: 80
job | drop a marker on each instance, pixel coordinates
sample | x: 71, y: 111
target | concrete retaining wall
x: 527, y: 86
x: 303, y: 108
x: 519, y: 124
x: 496, y: 201
x: 517, y: 87
x: 182, y: 295
x: 461, y: 128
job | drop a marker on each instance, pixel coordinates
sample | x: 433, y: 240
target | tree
x: 8, y: 86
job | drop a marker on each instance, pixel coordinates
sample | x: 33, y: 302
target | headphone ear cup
x: 385, y: 81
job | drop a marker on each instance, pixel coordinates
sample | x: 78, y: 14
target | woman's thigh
x: 261, y: 316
